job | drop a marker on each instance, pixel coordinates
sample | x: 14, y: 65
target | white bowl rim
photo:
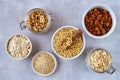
x: 113, y: 20
x: 14, y: 57
x: 52, y: 57
x: 68, y: 26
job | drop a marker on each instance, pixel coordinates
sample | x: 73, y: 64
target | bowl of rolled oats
x: 37, y: 20
x: 99, y: 60
x: 68, y: 42
x: 18, y: 47
x: 44, y: 63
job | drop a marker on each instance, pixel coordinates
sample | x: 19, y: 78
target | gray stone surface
x: 66, y: 12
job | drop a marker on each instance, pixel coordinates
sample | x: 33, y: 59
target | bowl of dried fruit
x: 37, y: 20
x: 68, y: 42
x: 18, y: 47
x: 99, y: 21
x: 44, y: 63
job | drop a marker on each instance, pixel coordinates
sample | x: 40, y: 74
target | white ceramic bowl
x: 22, y: 57
x: 51, y: 71
x: 62, y: 56
x: 50, y: 19
x: 113, y: 21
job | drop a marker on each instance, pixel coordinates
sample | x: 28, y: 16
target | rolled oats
x: 18, y: 46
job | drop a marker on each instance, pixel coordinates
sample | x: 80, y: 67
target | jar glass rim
x: 88, y: 60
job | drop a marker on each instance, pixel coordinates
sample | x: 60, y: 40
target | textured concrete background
x: 66, y: 12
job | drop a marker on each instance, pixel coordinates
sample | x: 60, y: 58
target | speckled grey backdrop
x: 66, y: 12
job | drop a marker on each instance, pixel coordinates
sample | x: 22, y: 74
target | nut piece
x: 43, y: 63
x: 18, y: 46
x: 100, y: 60
x: 37, y: 20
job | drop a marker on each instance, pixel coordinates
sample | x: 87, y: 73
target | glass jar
x: 37, y: 20
x: 100, y: 61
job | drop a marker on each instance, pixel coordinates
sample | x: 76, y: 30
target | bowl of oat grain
x: 65, y: 46
x: 44, y: 63
x: 18, y: 47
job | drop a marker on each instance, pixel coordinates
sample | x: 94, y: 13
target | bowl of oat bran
x: 18, y: 47
x: 99, y: 21
x: 62, y: 39
x: 44, y: 63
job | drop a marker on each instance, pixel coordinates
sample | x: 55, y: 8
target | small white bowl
x: 113, y: 21
x: 62, y: 56
x: 22, y: 57
x: 41, y: 73
x: 23, y: 24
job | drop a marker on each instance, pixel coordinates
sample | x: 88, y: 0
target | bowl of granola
x: 37, y: 20
x: 68, y: 42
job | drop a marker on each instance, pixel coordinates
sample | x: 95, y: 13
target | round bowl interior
x: 113, y: 20
x: 14, y: 57
x: 54, y: 66
x: 60, y: 55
